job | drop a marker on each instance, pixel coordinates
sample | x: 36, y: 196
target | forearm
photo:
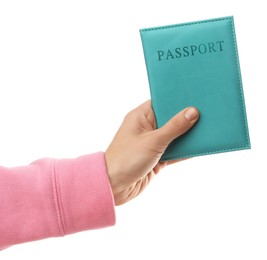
x: 54, y: 198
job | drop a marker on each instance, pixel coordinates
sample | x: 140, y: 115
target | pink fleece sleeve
x: 52, y: 198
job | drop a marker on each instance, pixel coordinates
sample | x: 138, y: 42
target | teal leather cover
x: 196, y: 64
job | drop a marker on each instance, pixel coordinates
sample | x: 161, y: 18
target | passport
x: 196, y: 64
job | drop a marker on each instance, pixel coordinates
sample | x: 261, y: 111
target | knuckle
x: 175, y: 125
x: 128, y: 116
x: 179, y: 126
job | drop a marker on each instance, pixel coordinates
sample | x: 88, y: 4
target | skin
x: 133, y: 156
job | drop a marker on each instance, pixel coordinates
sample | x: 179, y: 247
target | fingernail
x: 191, y: 114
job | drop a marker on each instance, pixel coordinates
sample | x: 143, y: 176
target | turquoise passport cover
x: 196, y: 64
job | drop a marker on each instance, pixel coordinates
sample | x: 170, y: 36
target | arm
x: 58, y: 197
x: 52, y: 198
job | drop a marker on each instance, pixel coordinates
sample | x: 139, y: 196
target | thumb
x: 178, y: 125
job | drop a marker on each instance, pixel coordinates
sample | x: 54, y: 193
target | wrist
x: 112, y: 175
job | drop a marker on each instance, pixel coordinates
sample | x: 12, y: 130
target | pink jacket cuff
x: 54, y: 198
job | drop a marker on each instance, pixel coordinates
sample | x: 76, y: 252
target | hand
x: 133, y: 156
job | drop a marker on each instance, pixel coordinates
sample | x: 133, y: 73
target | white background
x: 71, y: 70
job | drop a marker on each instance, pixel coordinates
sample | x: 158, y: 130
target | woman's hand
x: 133, y: 156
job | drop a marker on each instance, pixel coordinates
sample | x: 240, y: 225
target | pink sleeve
x: 52, y: 198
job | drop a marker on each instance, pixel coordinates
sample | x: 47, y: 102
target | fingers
x: 178, y: 125
x: 143, y: 107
